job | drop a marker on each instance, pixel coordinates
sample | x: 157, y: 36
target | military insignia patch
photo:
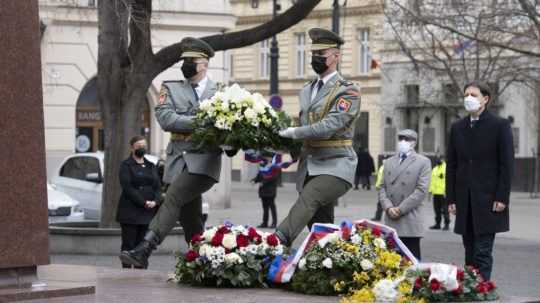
x: 343, y: 105
x: 162, y: 95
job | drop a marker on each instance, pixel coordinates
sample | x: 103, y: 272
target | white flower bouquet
x: 234, y: 117
x: 229, y: 256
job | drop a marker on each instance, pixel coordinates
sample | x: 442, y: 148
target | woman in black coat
x: 267, y: 194
x: 140, y: 195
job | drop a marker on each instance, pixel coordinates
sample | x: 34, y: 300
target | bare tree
x: 127, y: 65
x: 472, y: 55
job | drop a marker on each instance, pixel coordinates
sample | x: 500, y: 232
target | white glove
x: 226, y: 147
x: 288, y: 132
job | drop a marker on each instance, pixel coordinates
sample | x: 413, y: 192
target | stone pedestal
x: 23, y: 219
x: 219, y: 196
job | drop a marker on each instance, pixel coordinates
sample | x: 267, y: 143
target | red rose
x: 223, y: 230
x: 460, y: 274
x: 418, y: 283
x: 391, y: 243
x: 376, y: 231
x: 216, y: 240
x: 191, y: 255
x: 482, y: 287
x: 458, y: 291
x: 254, y: 235
x: 242, y: 241
x: 272, y: 240
x: 196, y: 238
x: 435, y: 285
x: 491, y: 285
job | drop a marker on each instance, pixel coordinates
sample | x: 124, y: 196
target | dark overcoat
x: 479, y: 171
x: 140, y: 183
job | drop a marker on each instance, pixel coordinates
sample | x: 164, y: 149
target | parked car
x: 81, y: 177
x: 62, y: 205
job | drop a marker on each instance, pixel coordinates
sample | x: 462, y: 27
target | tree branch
x: 140, y: 46
x: 169, y: 55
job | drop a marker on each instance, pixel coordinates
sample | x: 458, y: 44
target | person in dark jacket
x: 267, y: 193
x: 140, y: 196
x: 478, y: 177
x: 364, y: 169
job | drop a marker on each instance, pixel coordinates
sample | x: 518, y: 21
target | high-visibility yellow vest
x: 438, y: 180
x: 380, y: 173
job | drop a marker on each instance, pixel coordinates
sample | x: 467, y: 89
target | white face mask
x: 472, y: 104
x: 404, y: 146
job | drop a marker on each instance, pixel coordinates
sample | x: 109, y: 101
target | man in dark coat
x: 478, y: 177
x: 364, y: 169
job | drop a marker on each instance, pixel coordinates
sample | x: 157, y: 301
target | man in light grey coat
x: 328, y: 107
x: 404, y: 187
x: 189, y: 172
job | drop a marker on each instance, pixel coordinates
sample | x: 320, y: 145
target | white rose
x: 239, y: 229
x: 252, y: 249
x: 250, y: 114
x: 366, y: 264
x: 278, y: 250
x: 203, y: 250
x: 209, y: 234
x: 233, y: 258
x: 225, y: 107
x: 356, y: 239
x: 333, y: 237
x: 302, y: 264
x: 379, y: 243
x: 229, y: 241
x: 327, y: 263
x: 385, y: 291
x: 259, y: 107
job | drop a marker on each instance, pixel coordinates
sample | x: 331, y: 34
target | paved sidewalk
x: 517, y: 265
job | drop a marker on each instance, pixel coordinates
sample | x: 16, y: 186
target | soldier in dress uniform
x: 329, y: 106
x: 189, y: 172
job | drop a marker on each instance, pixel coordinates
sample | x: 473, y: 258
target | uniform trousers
x: 183, y: 200
x: 315, y: 204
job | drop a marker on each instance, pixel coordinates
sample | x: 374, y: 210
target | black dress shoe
x: 435, y: 227
x: 138, y: 257
x: 262, y: 225
x: 273, y: 225
x: 446, y: 227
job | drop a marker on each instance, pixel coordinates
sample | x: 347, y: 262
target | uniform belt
x: 328, y: 143
x: 181, y: 136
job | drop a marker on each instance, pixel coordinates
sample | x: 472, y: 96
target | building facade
x: 69, y: 66
x: 360, y: 26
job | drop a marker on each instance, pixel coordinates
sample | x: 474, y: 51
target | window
x: 451, y: 93
x: 412, y: 93
x: 300, y: 54
x: 264, y: 59
x: 390, y: 134
x: 79, y: 167
x: 363, y: 54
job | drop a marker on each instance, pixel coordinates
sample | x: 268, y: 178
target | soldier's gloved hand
x: 226, y: 147
x: 288, y: 133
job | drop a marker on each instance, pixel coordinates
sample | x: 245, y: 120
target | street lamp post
x: 335, y: 17
x: 274, y: 55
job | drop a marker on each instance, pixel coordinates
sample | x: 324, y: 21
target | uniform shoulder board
x: 345, y: 82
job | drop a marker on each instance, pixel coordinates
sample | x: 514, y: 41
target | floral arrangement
x: 227, y: 255
x: 349, y: 263
x: 447, y: 283
x: 234, y: 117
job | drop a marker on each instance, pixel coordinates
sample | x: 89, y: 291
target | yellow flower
x: 405, y: 288
x: 338, y: 287
x: 360, y: 296
x: 361, y: 277
x: 389, y: 259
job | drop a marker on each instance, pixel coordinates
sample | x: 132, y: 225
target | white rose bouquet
x: 228, y: 255
x: 234, y: 117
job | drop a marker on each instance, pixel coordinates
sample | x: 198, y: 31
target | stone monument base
x: 51, y: 281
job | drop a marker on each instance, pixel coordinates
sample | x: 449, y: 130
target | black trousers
x: 413, y: 244
x: 478, y: 248
x: 132, y: 234
x: 378, y: 212
x: 366, y: 181
x: 268, y: 204
x: 440, y: 206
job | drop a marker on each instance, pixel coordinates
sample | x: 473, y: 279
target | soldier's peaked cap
x: 196, y: 48
x: 322, y: 39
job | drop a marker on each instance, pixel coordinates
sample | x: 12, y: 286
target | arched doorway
x: 89, y: 135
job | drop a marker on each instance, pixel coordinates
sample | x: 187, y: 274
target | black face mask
x: 139, y: 152
x: 318, y: 63
x: 189, y: 69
